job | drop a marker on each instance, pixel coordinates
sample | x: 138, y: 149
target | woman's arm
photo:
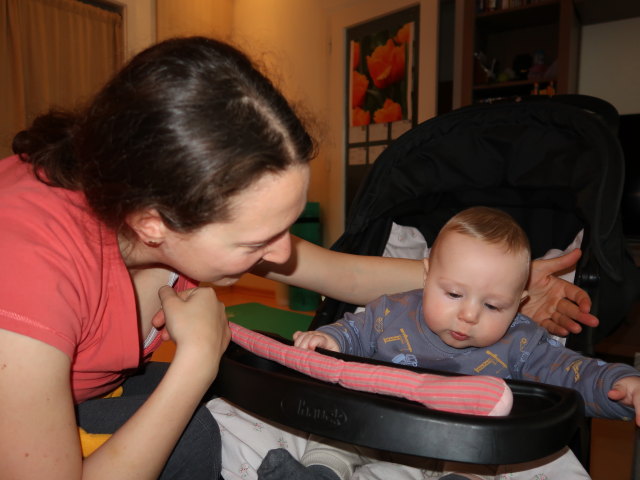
x: 350, y: 278
x: 38, y: 431
x: 554, y: 303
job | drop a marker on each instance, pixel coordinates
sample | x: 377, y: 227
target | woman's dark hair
x: 183, y: 127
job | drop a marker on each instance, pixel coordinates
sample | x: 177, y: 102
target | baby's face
x: 472, y: 290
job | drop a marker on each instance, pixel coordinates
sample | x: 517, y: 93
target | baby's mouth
x: 459, y: 336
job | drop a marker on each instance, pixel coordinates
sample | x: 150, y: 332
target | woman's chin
x: 225, y: 281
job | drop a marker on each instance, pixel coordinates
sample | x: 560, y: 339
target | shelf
x: 542, y: 13
x: 506, y: 35
x: 598, y: 11
x: 511, y: 84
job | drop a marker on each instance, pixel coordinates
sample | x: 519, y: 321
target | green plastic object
x: 307, y: 227
x: 256, y: 316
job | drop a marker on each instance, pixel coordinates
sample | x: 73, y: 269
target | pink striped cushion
x: 475, y: 395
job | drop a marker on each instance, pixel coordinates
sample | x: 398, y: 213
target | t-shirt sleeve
x: 39, y: 296
x: 184, y: 283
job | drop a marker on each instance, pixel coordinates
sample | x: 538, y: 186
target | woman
x: 188, y: 166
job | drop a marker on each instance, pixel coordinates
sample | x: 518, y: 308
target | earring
x: 152, y: 243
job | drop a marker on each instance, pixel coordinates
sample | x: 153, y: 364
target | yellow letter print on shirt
x: 379, y: 323
x: 493, y: 359
x: 575, y: 367
x: 403, y: 338
x: 523, y: 343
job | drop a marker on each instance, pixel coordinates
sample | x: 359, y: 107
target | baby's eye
x: 453, y: 295
x: 492, y: 307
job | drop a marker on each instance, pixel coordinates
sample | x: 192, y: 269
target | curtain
x: 53, y: 53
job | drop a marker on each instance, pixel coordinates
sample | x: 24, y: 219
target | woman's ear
x: 148, y: 226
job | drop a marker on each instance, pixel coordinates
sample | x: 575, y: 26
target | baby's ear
x: 523, y: 297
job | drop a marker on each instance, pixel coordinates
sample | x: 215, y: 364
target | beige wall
x: 194, y: 17
x: 148, y: 21
x: 610, y: 63
x: 139, y: 24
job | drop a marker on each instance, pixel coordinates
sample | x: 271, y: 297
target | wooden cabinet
x: 506, y: 38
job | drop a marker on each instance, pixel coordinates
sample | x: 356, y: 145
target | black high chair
x: 543, y: 420
x: 556, y: 166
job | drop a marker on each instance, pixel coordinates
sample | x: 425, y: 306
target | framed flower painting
x: 381, y: 79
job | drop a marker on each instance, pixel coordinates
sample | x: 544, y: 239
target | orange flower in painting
x: 355, y: 51
x: 386, y: 64
x: 360, y: 117
x: 390, y: 112
x: 359, y: 85
x: 404, y: 34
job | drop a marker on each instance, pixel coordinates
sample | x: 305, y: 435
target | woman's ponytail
x: 48, y: 145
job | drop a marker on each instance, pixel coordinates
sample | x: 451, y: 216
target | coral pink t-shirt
x: 64, y: 282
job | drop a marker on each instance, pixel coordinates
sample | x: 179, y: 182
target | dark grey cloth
x: 280, y: 465
x: 197, y: 454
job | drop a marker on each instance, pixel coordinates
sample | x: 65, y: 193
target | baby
x: 465, y: 320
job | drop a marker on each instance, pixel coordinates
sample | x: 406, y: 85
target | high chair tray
x: 543, y: 420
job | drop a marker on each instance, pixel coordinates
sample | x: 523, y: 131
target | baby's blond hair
x: 491, y: 226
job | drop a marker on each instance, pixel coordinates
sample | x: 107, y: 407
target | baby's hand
x: 312, y: 340
x: 627, y: 391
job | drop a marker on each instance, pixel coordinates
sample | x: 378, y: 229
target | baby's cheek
x: 495, y: 333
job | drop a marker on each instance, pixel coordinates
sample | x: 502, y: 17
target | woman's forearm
x: 140, y: 448
x: 355, y: 279
x: 196, y: 321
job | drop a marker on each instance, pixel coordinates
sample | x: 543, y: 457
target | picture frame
x: 382, y: 89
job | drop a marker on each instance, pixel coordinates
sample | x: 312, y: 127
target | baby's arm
x: 627, y: 391
x: 314, y: 339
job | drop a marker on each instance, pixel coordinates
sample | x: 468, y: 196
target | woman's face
x: 258, y: 229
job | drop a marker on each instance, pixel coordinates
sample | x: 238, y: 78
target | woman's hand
x: 194, y: 318
x: 557, y: 305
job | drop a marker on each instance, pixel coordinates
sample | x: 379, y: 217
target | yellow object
x: 116, y: 393
x: 90, y: 442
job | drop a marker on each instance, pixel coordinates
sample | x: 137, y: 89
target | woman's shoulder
x: 33, y: 213
x: 56, y: 258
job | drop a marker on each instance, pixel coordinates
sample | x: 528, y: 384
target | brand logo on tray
x: 320, y: 413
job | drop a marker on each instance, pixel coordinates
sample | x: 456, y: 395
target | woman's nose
x: 279, y: 250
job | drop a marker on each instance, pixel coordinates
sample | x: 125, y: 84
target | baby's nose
x: 469, y: 313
